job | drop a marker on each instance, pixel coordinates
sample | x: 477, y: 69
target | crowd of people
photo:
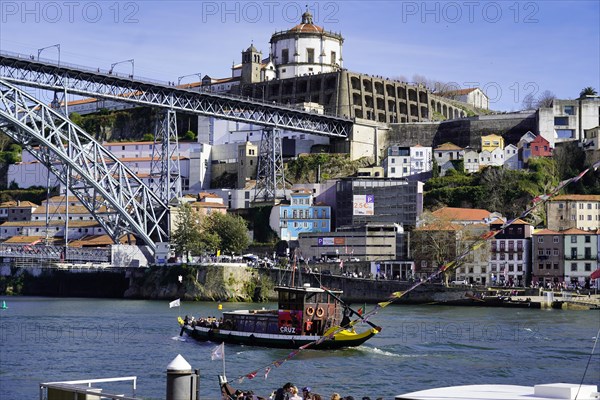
x: 290, y: 392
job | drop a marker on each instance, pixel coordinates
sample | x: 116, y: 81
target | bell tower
x: 251, y: 60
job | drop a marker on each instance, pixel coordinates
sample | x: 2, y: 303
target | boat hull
x: 343, y: 338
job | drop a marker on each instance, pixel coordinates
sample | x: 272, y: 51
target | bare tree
x: 546, y: 99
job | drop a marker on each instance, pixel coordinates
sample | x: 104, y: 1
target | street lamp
x: 47, y: 47
x: 199, y: 75
x: 112, y: 66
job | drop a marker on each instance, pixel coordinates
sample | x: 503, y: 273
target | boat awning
x: 505, y: 392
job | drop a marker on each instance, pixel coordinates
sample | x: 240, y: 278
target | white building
x: 494, y: 158
x: 473, y: 96
x: 471, y: 159
x: 446, y: 155
x: 567, y: 120
x: 194, y: 160
x: 401, y: 162
x: 511, y: 157
x: 306, y: 49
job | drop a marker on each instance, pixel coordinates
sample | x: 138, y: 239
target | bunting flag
x: 251, y: 375
x: 175, y: 303
x: 536, y: 202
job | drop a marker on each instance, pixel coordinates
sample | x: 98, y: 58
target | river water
x: 53, y: 339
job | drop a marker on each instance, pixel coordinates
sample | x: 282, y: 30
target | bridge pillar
x: 270, y: 179
x: 164, y: 169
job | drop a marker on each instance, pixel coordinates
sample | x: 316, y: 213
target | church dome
x: 306, y: 26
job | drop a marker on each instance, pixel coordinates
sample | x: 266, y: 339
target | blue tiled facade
x: 302, y: 216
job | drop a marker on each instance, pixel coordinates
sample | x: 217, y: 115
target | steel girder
x: 164, y: 168
x: 270, y: 178
x: 21, y: 70
x: 111, y: 192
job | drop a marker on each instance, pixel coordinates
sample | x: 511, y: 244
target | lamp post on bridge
x: 47, y: 47
x: 113, y: 65
x: 199, y: 75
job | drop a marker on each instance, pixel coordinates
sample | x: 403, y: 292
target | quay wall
x: 224, y: 282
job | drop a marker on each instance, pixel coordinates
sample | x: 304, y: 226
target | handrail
x: 72, y: 387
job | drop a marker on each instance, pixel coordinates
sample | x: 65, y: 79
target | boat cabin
x: 301, y: 311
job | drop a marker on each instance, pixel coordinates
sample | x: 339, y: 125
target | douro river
x: 54, y: 339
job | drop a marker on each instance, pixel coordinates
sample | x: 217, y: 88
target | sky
x: 507, y: 48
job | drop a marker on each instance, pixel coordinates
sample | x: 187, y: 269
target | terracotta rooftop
x: 98, y: 240
x: 448, y: 147
x: 458, y: 92
x: 42, y: 223
x: 462, y: 214
x: 577, y: 197
x: 575, y: 231
x: 14, y: 204
x: 545, y: 232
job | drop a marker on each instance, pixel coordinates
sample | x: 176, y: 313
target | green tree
x: 188, y: 136
x: 587, y: 91
x: 231, y: 229
x: 187, y: 234
x: 77, y: 119
x: 148, y: 137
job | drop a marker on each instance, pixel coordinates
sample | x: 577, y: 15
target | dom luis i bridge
x: 112, y: 193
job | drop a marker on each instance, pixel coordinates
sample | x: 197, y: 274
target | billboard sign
x: 363, y: 204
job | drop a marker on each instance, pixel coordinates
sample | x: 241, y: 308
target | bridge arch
x: 111, y: 192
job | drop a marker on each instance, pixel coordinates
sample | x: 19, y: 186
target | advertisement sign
x: 326, y: 241
x: 363, y: 204
x: 289, y: 322
x: 339, y: 241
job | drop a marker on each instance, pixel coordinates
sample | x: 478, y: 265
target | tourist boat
x: 305, y: 316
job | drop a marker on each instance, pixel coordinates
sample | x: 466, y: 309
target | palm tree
x: 588, y: 91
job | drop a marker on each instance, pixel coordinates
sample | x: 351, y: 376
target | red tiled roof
x: 577, y: 197
x: 458, y: 91
x: 306, y: 28
x: 546, y: 232
x: 575, y: 231
x: 448, y: 147
x: 462, y: 214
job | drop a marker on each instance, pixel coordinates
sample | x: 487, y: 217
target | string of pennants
x: 480, y: 241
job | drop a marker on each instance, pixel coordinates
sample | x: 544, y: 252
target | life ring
x: 310, y: 311
x: 320, y: 312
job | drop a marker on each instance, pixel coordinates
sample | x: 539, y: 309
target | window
x: 561, y: 120
x: 587, y: 239
x: 569, y: 110
x: 573, y: 266
x: 555, y: 266
x: 588, y: 266
x: 285, y: 56
x: 573, y: 239
x: 540, y: 239
x: 333, y: 57
x: 393, y: 170
x: 555, y: 239
x: 565, y: 133
x: 310, y: 56
x: 555, y: 252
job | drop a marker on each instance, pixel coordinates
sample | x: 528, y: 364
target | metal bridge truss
x: 112, y: 193
x: 164, y: 169
x: 93, y: 83
x: 270, y: 178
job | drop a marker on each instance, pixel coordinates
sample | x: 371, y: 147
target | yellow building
x: 492, y: 142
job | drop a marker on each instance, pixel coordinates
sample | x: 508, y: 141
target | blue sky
x: 509, y: 48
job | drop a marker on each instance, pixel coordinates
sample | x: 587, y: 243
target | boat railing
x: 74, y: 389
